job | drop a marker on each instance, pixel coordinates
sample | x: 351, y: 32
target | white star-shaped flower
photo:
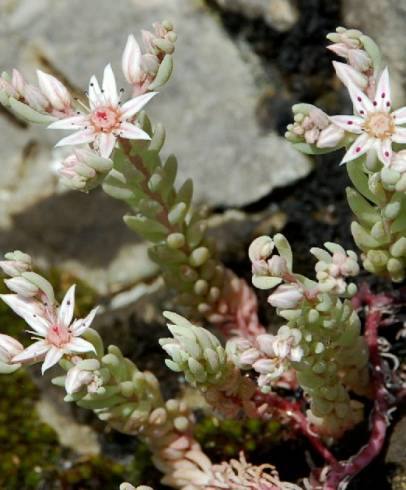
x: 106, y: 119
x: 375, y: 123
x: 55, y: 333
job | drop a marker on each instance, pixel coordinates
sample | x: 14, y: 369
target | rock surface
x: 385, y: 22
x: 282, y: 15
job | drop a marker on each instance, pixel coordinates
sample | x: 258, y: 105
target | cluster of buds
x: 50, y: 98
x: 149, y: 70
x: 333, y: 267
x: 313, y: 127
x: 206, y: 365
x: 321, y: 340
x: 270, y: 356
x: 84, y: 169
x: 359, y: 51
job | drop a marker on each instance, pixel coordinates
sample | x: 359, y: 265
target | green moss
x: 229, y: 437
x: 29, y: 448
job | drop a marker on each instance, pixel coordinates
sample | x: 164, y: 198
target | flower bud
x: 35, y: 99
x: 286, y: 296
x: 399, y: 161
x: 56, y: 93
x: 17, y: 262
x: 9, y: 347
x: 83, y: 169
x: 340, y: 49
x: 261, y: 248
x: 248, y: 357
x: 18, y: 83
x: 22, y: 286
x: 319, y: 118
x: 277, y: 266
x: 6, y: 87
x: 76, y: 379
x: 359, y: 59
x: 265, y: 344
x: 348, y: 74
x: 330, y: 137
x: 131, y: 61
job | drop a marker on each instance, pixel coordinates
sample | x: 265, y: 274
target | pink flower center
x: 379, y: 125
x: 58, y: 335
x: 105, y: 119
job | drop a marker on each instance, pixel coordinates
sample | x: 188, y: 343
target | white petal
x: 30, y: 310
x: 105, y: 143
x: 384, y: 151
x: 109, y: 85
x: 95, y: 94
x: 362, y: 104
x: 399, y: 135
x: 32, y: 353
x: 79, y: 345
x: 134, y: 105
x: 78, y: 138
x: 382, y: 100
x: 399, y: 115
x: 360, y: 146
x: 65, y: 312
x: 53, y: 357
x: 352, y: 124
x: 131, y: 60
x: 133, y: 132
x: 75, y: 122
x: 82, y: 325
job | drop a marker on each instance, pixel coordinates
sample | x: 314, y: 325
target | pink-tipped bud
x: 22, y: 286
x: 265, y: 344
x: 286, y: 296
x: 5, y: 86
x: 359, y: 59
x: 35, y: 98
x: 150, y: 64
x: 348, y: 74
x: 248, y: 357
x: 319, y: 118
x: 277, y: 266
x: 131, y: 61
x: 330, y: 137
x: 55, y: 91
x: 261, y: 248
x: 340, y: 49
x: 18, y: 82
x: 9, y: 347
x: 17, y: 262
x: 76, y: 379
x: 148, y: 41
x: 264, y: 366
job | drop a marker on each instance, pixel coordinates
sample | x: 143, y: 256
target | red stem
x: 379, y: 421
x: 293, y: 411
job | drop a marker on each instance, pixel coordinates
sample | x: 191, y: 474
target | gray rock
x: 282, y: 15
x: 385, y: 22
x: 396, y: 453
